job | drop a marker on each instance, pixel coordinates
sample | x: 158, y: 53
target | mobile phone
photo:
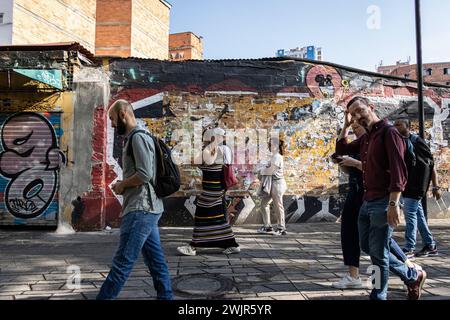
x: 337, y: 158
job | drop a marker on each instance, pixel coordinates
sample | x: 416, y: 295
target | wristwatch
x: 394, y: 203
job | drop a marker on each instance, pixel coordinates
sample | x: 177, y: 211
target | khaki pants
x: 279, y: 187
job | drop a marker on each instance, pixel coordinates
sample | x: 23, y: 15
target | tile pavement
x: 299, y: 266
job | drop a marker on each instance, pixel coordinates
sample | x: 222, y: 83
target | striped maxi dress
x: 211, y: 228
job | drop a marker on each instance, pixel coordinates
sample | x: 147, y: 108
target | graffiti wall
x: 303, y: 102
x: 30, y: 162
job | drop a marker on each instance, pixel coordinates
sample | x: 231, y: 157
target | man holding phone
x: 384, y: 178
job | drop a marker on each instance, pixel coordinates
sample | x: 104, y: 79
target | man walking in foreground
x: 141, y: 209
x: 384, y: 178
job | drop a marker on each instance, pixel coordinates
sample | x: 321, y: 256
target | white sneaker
x: 187, y: 250
x: 231, y: 250
x: 417, y: 267
x: 265, y: 230
x: 280, y: 232
x: 348, y: 282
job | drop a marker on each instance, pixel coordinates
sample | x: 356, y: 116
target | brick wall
x: 50, y: 21
x: 185, y: 46
x: 113, y: 31
x: 134, y: 28
x: 437, y: 70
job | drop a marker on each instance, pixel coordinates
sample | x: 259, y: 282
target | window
x: 1, y: 18
x: 448, y: 83
x: 428, y: 72
x: 446, y: 70
x: 407, y: 75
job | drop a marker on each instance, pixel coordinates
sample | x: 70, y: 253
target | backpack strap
x: 413, y: 137
x: 405, y: 141
x: 130, y: 151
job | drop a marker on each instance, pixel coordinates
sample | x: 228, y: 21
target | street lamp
x: 420, y: 85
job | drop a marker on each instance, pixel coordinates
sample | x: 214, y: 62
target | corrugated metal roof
x: 75, y: 46
x: 274, y: 59
x: 67, y: 46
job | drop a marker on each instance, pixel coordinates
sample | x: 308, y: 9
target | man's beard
x: 364, y: 123
x: 121, y: 127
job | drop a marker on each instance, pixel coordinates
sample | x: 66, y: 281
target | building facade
x: 50, y: 21
x: 389, y: 69
x: 432, y: 72
x: 133, y: 28
x: 185, y: 46
x: 119, y: 28
x: 309, y: 52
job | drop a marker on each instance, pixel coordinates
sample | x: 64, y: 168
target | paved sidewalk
x: 299, y: 266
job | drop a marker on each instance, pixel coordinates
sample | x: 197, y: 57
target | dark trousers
x: 349, y: 226
x: 349, y: 230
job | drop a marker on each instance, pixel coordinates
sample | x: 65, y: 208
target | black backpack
x: 419, y: 164
x: 420, y: 168
x: 167, y: 179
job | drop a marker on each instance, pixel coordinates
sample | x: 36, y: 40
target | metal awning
x: 31, y: 80
x: 50, y: 77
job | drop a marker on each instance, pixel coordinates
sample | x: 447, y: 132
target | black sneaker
x: 409, y: 253
x: 267, y: 230
x: 427, y: 251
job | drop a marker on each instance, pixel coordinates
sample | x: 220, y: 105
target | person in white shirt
x: 274, y: 171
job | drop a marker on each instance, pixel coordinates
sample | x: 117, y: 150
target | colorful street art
x: 304, y: 102
x: 30, y: 160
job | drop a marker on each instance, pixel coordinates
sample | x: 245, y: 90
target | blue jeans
x: 374, y: 237
x: 138, y: 233
x: 415, y: 219
x: 397, y: 251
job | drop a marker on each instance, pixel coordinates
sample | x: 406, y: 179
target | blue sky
x: 257, y: 28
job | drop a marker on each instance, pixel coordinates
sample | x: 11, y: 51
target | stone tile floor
x: 299, y: 266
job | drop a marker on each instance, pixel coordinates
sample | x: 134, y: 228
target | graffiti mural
x: 302, y: 101
x: 30, y: 160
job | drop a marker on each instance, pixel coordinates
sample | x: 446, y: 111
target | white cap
x: 219, y: 132
x: 213, y: 132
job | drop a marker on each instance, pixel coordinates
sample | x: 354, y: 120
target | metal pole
x: 420, y: 84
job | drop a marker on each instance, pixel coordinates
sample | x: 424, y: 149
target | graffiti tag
x: 30, y: 159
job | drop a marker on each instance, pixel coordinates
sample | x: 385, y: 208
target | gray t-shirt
x: 144, y: 166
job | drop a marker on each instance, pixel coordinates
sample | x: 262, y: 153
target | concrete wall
x: 81, y: 185
x: 303, y: 101
x: 6, y: 7
x: 50, y: 21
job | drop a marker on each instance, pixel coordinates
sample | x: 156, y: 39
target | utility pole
x: 420, y: 85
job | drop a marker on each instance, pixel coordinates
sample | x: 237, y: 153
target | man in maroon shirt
x: 384, y: 178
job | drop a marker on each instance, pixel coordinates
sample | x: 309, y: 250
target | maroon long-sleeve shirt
x: 383, y: 165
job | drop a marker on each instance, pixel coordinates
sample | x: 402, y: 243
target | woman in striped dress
x: 211, y: 228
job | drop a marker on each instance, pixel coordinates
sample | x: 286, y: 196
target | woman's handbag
x: 228, y: 176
